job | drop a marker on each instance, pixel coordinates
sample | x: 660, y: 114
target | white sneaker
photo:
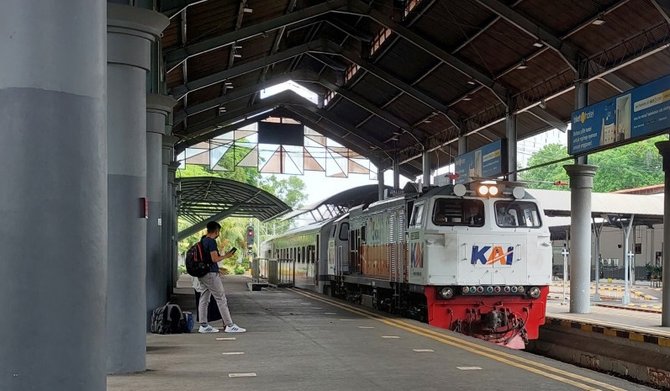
x: 207, y: 329
x: 234, y: 329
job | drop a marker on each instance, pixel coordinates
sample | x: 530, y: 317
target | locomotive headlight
x: 466, y: 290
x: 534, y: 292
x: 493, y: 191
x: 447, y: 292
x: 483, y: 190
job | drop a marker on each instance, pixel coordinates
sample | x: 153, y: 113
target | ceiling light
x: 248, y: 10
x: 237, y: 47
x: 228, y: 83
x: 229, y: 87
x: 523, y: 65
x: 538, y: 44
x: 467, y: 98
x: 222, y: 110
x: 472, y: 83
x: 599, y: 21
x: 237, y: 55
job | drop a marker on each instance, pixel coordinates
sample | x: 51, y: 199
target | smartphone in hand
x: 232, y: 250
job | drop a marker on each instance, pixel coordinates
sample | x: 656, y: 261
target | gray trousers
x: 213, y: 287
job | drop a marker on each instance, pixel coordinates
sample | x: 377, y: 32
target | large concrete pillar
x: 53, y: 197
x: 381, y: 187
x: 426, y: 168
x: 581, y: 183
x: 159, y: 108
x: 510, y: 134
x: 174, y: 222
x: 131, y: 32
x: 664, y: 149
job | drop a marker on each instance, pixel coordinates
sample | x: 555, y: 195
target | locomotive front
x: 483, y: 256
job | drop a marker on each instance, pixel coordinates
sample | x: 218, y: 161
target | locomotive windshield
x: 512, y: 214
x: 457, y: 211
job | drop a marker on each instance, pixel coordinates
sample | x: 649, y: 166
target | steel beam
x: 548, y: 118
x: 349, y: 30
x: 663, y: 7
x: 177, y: 56
x: 181, y: 146
x: 180, y: 91
x: 432, y: 49
x: 239, y: 93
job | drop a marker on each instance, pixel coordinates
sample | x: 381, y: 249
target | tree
x: 629, y: 166
x: 290, y: 190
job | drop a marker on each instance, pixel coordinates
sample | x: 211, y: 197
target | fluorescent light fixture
x: 293, y: 86
x: 237, y: 47
x: 467, y: 98
x: 222, y: 110
x: 538, y: 44
x: 248, y: 10
x: 237, y: 55
x: 523, y: 65
x: 472, y: 83
x: 228, y: 83
x: 599, y: 21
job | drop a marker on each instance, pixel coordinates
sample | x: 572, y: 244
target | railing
x: 279, y: 272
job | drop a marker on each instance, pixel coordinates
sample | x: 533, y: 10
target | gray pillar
x: 174, y: 219
x: 130, y: 32
x: 167, y: 207
x: 53, y: 197
x: 510, y: 134
x: 664, y: 149
x: 426, y: 168
x: 158, y: 109
x: 581, y: 183
x: 396, y: 174
x: 581, y: 100
x: 462, y: 144
x: 381, y: 187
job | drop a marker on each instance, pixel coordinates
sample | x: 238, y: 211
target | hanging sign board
x: 489, y: 161
x: 638, y: 113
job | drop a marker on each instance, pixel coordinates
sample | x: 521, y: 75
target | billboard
x: 489, y: 161
x: 641, y: 112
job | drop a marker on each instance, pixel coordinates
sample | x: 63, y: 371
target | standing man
x: 212, y: 285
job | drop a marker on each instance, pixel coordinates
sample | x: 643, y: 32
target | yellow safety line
x: 506, y: 358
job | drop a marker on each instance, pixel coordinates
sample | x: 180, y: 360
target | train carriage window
x: 344, y: 231
x: 417, y: 215
x: 512, y: 214
x: 457, y: 211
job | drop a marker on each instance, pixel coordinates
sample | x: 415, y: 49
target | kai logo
x: 490, y: 255
x: 585, y: 115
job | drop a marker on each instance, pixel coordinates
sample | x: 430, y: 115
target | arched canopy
x: 202, y: 199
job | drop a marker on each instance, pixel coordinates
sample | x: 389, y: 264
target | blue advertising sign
x: 485, y: 162
x: 642, y: 111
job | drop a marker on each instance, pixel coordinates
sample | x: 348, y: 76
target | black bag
x: 197, y: 265
x: 168, y: 319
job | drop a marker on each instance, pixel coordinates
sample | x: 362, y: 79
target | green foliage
x: 239, y: 269
x: 291, y: 190
x: 630, y: 166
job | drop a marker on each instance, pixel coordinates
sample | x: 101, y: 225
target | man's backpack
x: 168, y: 319
x: 197, y: 265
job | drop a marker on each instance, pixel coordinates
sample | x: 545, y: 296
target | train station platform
x: 297, y: 340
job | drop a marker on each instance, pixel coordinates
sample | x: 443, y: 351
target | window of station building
x: 350, y: 72
x: 411, y: 5
x: 379, y: 40
x: 513, y: 214
x: 293, y: 86
x: 457, y: 211
x: 329, y: 97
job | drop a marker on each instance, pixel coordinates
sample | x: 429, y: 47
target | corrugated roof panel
x: 547, y: 64
x: 351, y: 113
x: 560, y: 16
x: 409, y: 109
x: 445, y: 84
x: 208, y: 63
x: 451, y: 22
x: 375, y: 89
x: 395, y: 61
x: 171, y: 36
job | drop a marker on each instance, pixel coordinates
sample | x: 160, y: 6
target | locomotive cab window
x: 455, y: 211
x: 417, y: 215
x: 344, y: 231
x: 512, y: 214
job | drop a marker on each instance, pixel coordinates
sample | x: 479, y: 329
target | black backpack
x: 168, y: 319
x: 197, y: 264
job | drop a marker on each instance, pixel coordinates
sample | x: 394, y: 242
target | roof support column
x: 462, y: 144
x: 581, y: 100
x: 130, y: 34
x: 159, y: 108
x: 171, y: 215
x: 510, y: 133
x: 53, y: 200
x: 426, y: 168
x: 664, y: 149
x: 396, y: 173
x: 382, y: 187
x: 581, y: 183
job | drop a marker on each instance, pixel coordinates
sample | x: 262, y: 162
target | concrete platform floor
x: 299, y: 342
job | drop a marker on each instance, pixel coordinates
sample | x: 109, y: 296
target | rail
x: 278, y: 272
